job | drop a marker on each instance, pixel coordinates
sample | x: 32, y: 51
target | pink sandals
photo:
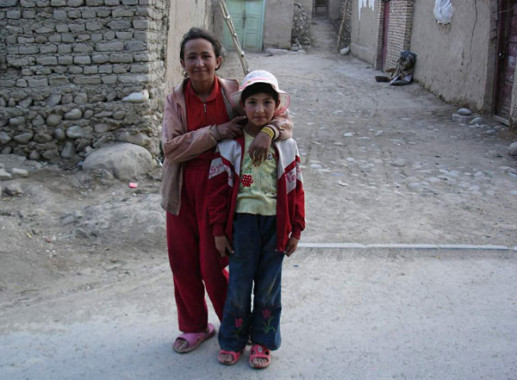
x: 259, y: 351
x: 235, y: 356
x: 194, y: 340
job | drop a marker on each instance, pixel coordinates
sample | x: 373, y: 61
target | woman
x: 197, y: 115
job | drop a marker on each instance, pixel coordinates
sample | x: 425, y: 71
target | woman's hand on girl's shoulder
x: 231, y: 129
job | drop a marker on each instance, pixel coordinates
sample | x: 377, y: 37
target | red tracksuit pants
x: 195, y: 262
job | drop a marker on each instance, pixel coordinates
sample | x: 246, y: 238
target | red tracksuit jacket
x: 223, y: 187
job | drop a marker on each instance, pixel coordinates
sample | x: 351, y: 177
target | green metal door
x: 248, y: 20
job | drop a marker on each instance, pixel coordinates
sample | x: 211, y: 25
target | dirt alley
x: 381, y: 164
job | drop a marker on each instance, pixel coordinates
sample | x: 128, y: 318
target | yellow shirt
x: 257, y: 190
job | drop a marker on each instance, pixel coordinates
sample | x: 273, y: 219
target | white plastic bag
x: 443, y: 11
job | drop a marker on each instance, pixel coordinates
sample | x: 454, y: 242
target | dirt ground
x: 381, y: 165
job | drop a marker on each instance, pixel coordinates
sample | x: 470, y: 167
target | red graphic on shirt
x: 246, y: 180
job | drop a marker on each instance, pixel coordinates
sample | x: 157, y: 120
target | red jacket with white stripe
x: 223, y: 187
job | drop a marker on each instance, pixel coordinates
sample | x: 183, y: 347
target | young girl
x: 259, y: 207
x: 197, y: 114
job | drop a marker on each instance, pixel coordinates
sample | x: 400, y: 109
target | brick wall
x: 399, y: 29
x: 76, y: 74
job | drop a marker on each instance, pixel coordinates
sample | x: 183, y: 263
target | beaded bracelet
x: 268, y: 131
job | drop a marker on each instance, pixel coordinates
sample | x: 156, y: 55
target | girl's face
x: 259, y: 109
x: 199, y: 60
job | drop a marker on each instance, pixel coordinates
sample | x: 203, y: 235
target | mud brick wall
x: 76, y: 74
x: 399, y: 29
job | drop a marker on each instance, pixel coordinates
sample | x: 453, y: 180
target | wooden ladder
x: 231, y: 28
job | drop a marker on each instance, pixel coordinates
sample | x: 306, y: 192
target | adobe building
x: 468, y: 62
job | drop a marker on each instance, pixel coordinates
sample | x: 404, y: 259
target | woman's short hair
x: 195, y: 33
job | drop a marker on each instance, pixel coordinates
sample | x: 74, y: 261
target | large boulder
x: 125, y: 161
x: 512, y: 149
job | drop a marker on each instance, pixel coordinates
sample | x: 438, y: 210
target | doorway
x: 320, y: 7
x: 506, y: 58
x: 248, y: 20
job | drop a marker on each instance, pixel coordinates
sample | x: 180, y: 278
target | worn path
x: 382, y: 166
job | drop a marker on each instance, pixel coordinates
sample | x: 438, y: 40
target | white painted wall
x: 365, y: 29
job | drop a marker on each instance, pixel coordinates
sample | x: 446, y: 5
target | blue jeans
x: 256, y: 265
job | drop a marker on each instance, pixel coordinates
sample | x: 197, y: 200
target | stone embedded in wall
x: 4, y: 138
x: 74, y: 114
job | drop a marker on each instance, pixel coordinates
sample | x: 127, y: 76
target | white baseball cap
x: 263, y: 76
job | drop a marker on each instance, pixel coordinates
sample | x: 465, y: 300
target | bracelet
x: 268, y: 131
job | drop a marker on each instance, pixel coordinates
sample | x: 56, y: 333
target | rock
x: 344, y: 51
x: 75, y: 132
x: 53, y: 120
x: 476, y: 120
x: 23, y: 138
x: 80, y: 233
x: 60, y: 134
x: 137, y: 97
x: 68, y: 150
x: 399, y: 163
x: 13, y: 189
x: 4, y: 175
x: 25, y: 103
x: 19, y: 173
x: 81, y: 98
x: 512, y: 149
x: 273, y: 51
x: 4, y: 138
x: 72, y: 217
x: 38, y: 121
x: 34, y: 155
x: 42, y: 138
x: 16, y: 121
x: 54, y: 100
x: 464, y: 112
x: 462, y: 119
x: 125, y: 161
x: 74, y: 114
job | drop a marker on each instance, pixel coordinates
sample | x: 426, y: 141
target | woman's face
x: 199, y: 60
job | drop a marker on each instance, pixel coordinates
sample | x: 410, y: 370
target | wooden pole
x: 233, y: 33
x: 342, y: 25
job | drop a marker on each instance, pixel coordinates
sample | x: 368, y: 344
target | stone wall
x: 301, y: 32
x: 346, y: 25
x: 76, y: 74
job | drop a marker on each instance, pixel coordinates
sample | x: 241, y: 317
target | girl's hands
x: 223, y: 245
x: 291, y: 246
x: 259, y: 148
x: 231, y: 129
